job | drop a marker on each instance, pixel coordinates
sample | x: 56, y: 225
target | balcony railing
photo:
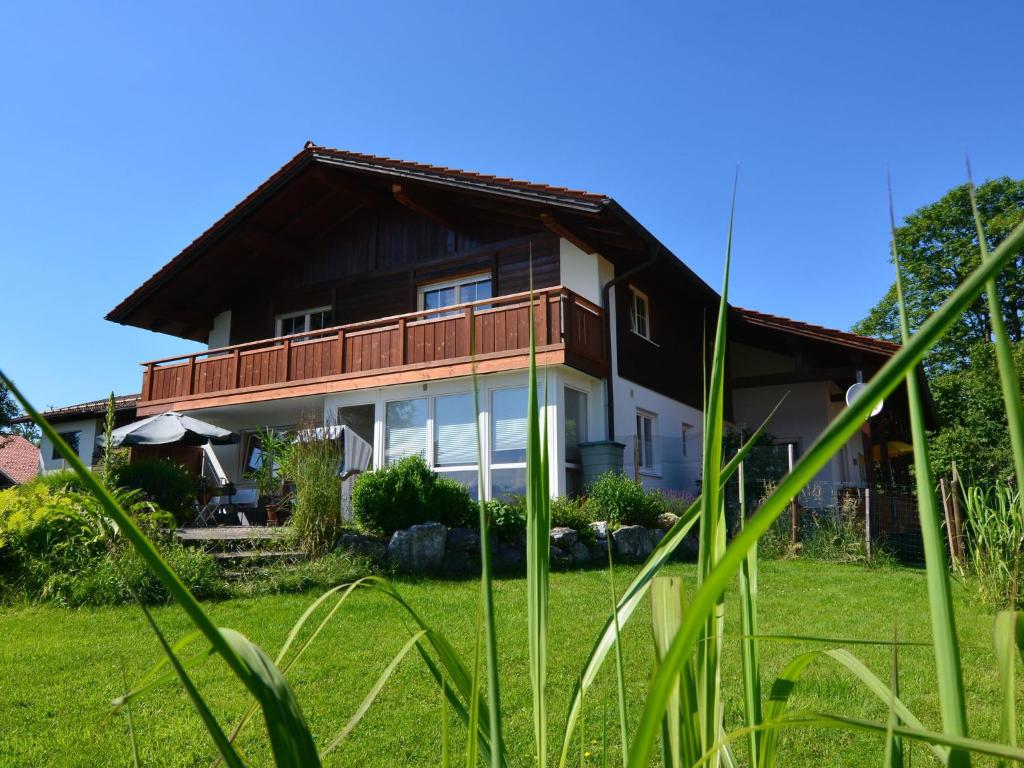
x: 563, y: 321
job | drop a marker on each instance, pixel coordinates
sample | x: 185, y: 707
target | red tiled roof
x: 853, y: 340
x: 91, y: 408
x: 19, y: 459
x: 425, y: 172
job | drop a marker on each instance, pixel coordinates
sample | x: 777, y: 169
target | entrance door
x: 360, y: 419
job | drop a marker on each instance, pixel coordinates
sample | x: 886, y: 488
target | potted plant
x: 267, y: 473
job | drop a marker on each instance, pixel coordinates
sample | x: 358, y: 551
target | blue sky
x: 126, y: 130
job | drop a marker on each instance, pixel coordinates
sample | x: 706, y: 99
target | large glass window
x: 454, y: 431
x: 645, y: 439
x: 405, y: 429
x: 451, y: 292
x: 508, y: 426
x: 575, y: 422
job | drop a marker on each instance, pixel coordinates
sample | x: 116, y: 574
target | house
x: 81, y: 426
x: 19, y: 460
x: 347, y: 288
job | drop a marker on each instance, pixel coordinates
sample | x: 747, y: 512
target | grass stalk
x: 620, y: 674
x: 940, y: 598
x: 748, y: 627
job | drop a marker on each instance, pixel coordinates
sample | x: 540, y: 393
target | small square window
x: 71, y: 438
x: 639, y: 313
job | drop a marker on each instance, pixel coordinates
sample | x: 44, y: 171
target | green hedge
x: 162, y: 482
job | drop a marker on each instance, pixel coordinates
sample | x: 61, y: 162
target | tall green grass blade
x: 712, y: 519
x: 154, y: 678
x: 445, y: 746
x: 749, y: 644
x: 224, y: 749
x: 538, y: 547
x: 1009, y: 642
x: 1008, y: 378
x: 893, y: 757
x: 371, y: 696
x: 778, y: 699
x: 666, y: 614
x: 846, y: 424
x: 620, y: 673
x: 638, y: 588
x: 131, y: 723
x: 940, y: 598
x: 486, y: 571
x: 474, y: 699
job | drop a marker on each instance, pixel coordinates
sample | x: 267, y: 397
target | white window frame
x: 648, y: 464
x: 636, y: 296
x: 687, y: 429
x: 572, y: 465
x: 432, y: 434
x: 304, y: 313
x: 457, y: 283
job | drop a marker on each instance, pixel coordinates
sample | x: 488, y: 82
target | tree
x: 973, y: 430
x: 938, y: 248
x: 9, y: 411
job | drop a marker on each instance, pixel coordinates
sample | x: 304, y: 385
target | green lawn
x: 59, y: 669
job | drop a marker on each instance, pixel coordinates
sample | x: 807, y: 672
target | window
x: 405, y: 429
x: 358, y: 418
x: 454, y: 431
x: 687, y: 428
x: 508, y: 442
x: 645, y: 440
x: 71, y: 438
x: 574, y: 425
x: 460, y: 291
x: 639, y: 313
x: 305, y: 320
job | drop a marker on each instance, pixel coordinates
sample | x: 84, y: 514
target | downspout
x: 606, y: 305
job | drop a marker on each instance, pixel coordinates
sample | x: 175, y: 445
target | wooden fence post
x: 794, y: 527
x: 236, y: 367
x: 955, y: 489
x: 867, y: 522
x: 341, y: 351
x: 149, y: 381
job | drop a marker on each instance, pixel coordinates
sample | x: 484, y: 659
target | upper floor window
x: 459, y: 291
x: 303, y: 321
x: 639, y: 313
x: 73, y: 440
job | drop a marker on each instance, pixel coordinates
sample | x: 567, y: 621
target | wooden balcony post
x: 287, y: 359
x: 470, y: 330
x: 401, y: 341
x: 236, y: 368
x: 149, y: 381
x: 191, y: 374
x: 341, y: 351
x: 543, y: 335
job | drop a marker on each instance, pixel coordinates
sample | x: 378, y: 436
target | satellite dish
x: 854, y: 391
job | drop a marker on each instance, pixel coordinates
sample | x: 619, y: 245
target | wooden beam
x: 799, y: 376
x: 561, y: 230
x: 345, y: 187
x: 401, y: 195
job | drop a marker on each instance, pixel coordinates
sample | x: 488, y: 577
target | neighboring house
x: 81, y: 426
x: 19, y: 460
x: 347, y: 287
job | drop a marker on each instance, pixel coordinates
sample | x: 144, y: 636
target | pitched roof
x: 432, y: 174
x: 84, y: 410
x: 19, y: 459
x: 819, y: 332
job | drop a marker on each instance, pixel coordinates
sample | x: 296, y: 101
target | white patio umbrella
x: 170, y: 428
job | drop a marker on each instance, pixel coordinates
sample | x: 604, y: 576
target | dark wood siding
x: 681, y: 317
x: 370, y: 264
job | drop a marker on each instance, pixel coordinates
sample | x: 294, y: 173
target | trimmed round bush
x: 620, y: 501
x: 407, y: 493
x: 163, y: 482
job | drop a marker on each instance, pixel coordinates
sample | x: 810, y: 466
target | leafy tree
x: 938, y: 247
x: 973, y: 430
x: 9, y: 411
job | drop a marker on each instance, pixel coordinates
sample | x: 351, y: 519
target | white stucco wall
x: 89, y: 429
x: 220, y: 334
x: 582, y: 272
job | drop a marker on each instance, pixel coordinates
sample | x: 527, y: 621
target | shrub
x: 163, y: 482
x: 316, y: 504
x: 994, y: 534
x: 507, y: 519
x: 406, y: 493
x: 620, y: 501
x: 60, y: 480
x: 321, y: 573
x: 575, y: 514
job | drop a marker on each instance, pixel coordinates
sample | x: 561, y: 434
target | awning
x: 170, y: 428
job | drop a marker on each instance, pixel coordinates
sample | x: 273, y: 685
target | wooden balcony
x: 418, y: 346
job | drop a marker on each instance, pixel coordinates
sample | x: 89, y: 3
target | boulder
x: 580, y: 553
x: 656, y: 534
x: 459, y: 562
x: 667, y: 519
x: 560, y: 557
x: 599, y: 552
x: 462, y: 540
x: 632, y: 542
x: 600, y: 530
x: 565, y: 538
x: 419, y: 548
x: 375, y: 549
x: 509, y: 557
